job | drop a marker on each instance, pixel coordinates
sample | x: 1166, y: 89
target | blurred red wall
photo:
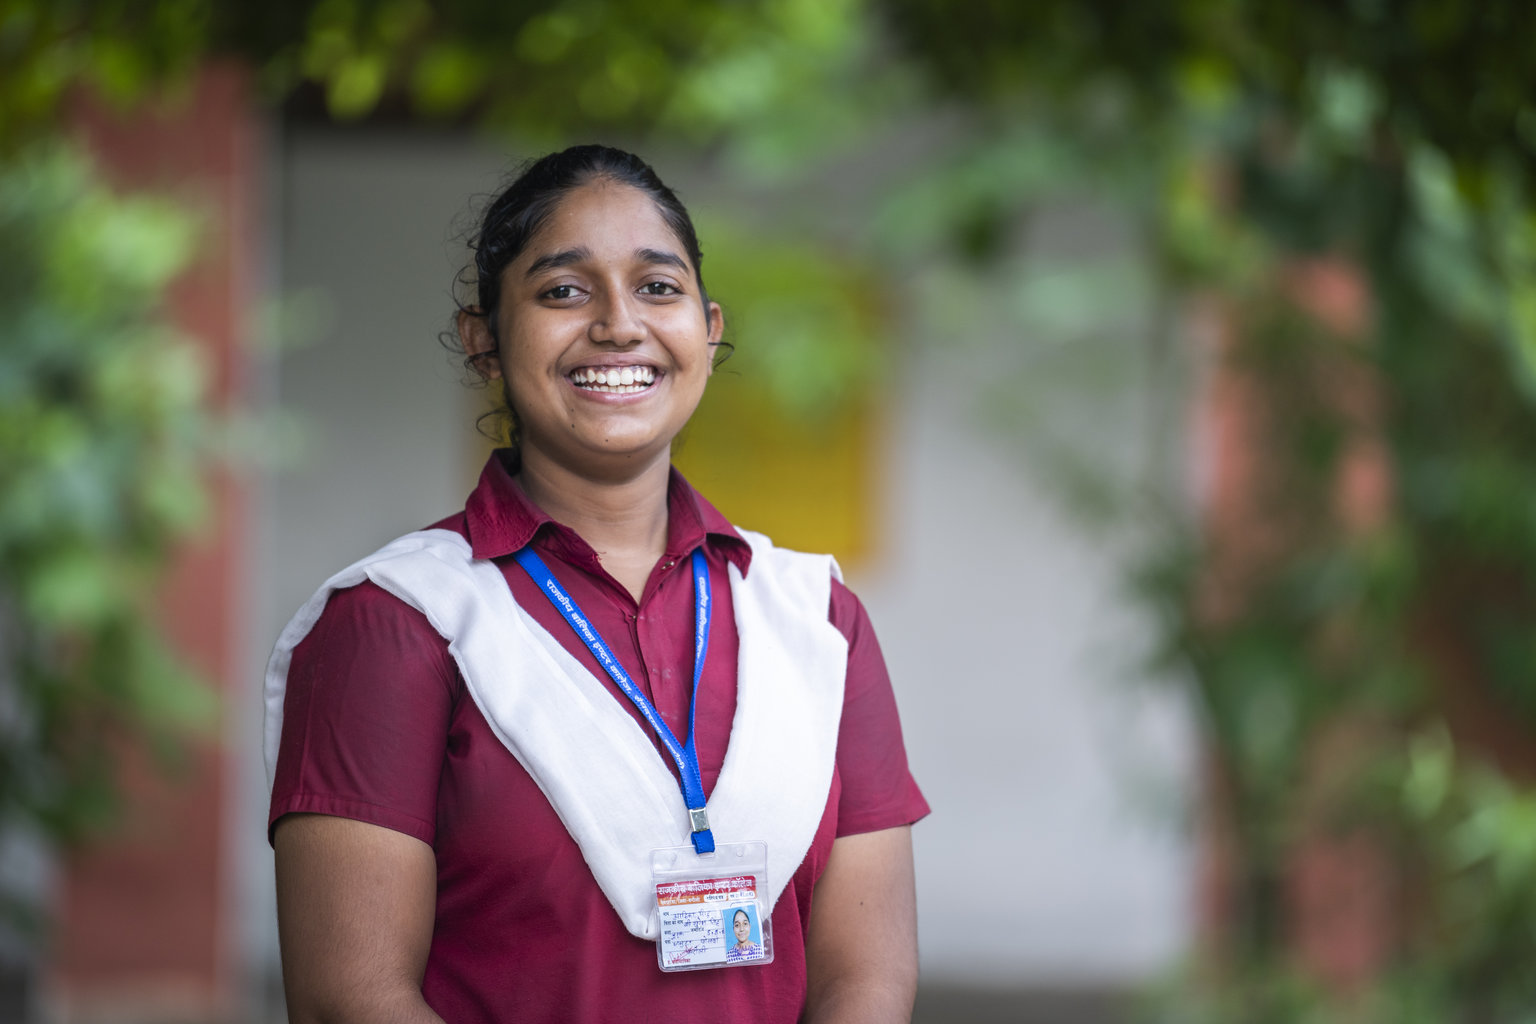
x: 141, y: 928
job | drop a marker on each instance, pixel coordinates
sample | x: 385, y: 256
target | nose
x: 616, y: 319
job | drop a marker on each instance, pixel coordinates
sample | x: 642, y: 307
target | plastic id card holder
x: 713, y: 907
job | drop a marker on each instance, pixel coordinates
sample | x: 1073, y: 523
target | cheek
x: 521, y: 393
x: 689, y: 331
x: 526, y: 370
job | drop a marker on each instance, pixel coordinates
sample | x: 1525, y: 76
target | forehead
x: 608, y: 219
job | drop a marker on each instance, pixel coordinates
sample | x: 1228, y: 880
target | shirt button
x: 667, y: 565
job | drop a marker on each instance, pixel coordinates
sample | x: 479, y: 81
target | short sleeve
x: 366, y: 715
x: 878, y: 790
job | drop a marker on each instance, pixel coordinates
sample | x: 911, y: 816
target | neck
x: 623, y: 518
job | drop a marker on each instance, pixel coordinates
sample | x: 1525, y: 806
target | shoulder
x: 819, y: 573
x: 364, y: 625
x: 849, y: 615
x: 801, y: 579
x: 418, y: 562
x: 374, y: 597
x: 362, y: 605
x: 788, y: 559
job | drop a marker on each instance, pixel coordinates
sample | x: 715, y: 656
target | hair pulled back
x: 516, y: 214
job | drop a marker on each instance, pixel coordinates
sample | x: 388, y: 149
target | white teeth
x: 626, y: 380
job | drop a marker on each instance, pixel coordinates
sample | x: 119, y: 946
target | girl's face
x: 606, y: 342
x: 742, y: 926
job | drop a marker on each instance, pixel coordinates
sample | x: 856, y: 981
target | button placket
x: 667, y: 683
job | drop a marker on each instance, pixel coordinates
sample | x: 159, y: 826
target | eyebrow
x: 570, y: 257
x: 660, y: 256
x: 556, y: 260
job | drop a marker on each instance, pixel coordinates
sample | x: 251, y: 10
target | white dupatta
x: 551, y: 713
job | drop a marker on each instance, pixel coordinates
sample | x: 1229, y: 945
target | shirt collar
x: 500, y: 519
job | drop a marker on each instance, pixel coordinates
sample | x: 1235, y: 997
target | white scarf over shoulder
x: 588, y: 755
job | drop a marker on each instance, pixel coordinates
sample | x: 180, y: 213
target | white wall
x: 1049, y: 859
x: 366, y: 253
x: 1007, y: 639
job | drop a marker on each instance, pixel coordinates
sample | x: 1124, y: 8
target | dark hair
x: 514, y: 216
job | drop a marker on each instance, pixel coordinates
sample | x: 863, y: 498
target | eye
x: 660, y: 288
x: 559, y: 292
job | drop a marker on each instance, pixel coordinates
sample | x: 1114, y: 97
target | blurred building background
x: 1161, y: 380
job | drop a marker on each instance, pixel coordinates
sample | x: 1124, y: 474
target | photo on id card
x: 712, y: 907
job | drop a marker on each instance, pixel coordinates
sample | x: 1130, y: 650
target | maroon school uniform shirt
x: 378, y: 726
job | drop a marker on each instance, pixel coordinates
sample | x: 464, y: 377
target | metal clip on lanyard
x: 685, y: 755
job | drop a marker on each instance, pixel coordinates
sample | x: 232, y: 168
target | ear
x: 716, y: 331
x: 479, y: 344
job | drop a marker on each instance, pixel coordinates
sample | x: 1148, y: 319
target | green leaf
x: 355, y: 85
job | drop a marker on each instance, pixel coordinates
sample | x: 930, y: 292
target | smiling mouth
x: 614, y: 380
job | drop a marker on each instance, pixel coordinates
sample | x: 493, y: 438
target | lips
x: 613, y: 380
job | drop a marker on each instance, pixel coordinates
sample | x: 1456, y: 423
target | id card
x: 712, y: 907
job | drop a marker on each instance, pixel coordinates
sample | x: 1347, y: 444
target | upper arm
x: 365, y: 728
x: 370, y: 699
x: 861, y: 943
x: 355, y: 908
x: 878, y: 791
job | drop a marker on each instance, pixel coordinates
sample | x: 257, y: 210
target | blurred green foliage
x: 1240, y: 140
x: 102, y: 440
x: 1252, y: 142
x: 803, y: 321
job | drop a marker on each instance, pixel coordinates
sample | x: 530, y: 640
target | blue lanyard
x: 686, y: 755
